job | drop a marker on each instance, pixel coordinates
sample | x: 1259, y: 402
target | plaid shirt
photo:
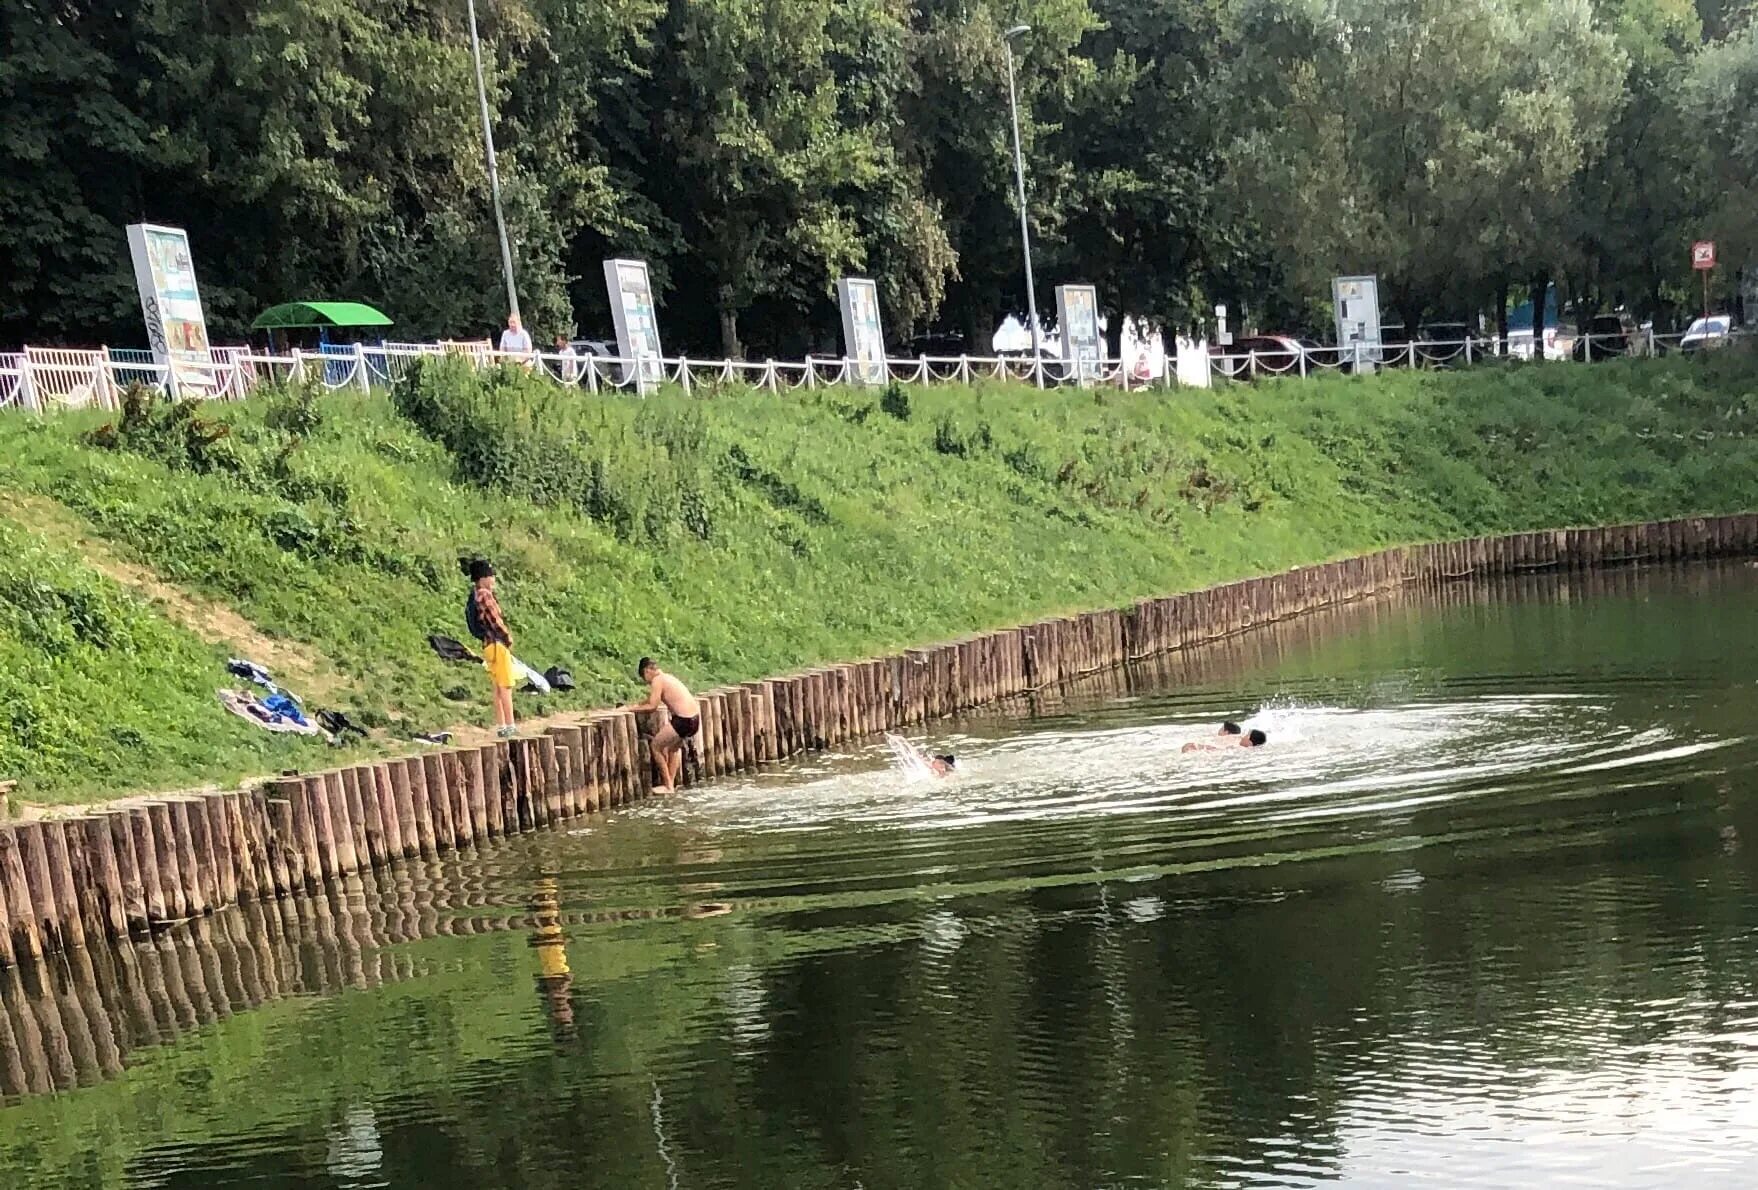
x: 489, y: 611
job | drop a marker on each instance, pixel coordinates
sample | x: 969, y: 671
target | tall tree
x: 957, y: 125
x: 72, y: 153
x: 1144, y: 134
x: 754, y: 156
x: 1431, y: 142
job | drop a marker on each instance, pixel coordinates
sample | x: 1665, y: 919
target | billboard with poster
x: 1357, y: 304
x: 863, y: 340
x: 1077, y: 313
x: 637, y: 325
x: 164, y: 272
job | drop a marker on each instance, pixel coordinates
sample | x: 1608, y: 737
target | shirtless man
x: 913, y: 757
x: 1246, y: 739
x: 683, y: 718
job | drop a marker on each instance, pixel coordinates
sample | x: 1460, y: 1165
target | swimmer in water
x: 1247, y: 739
x: 914, y: 757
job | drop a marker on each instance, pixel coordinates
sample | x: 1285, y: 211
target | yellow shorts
x: 498, y: 661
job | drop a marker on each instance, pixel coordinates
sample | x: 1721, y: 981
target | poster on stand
x: 1357, y: 303
x: 637, y: 326
x: 164, y: 273
x: 1077, y: 312
x: 863, y: 340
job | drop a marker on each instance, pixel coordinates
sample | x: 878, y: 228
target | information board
x: 1077, y: 312
x: 164, y: 272
x: 1357, y: 303
x: 637, y: 325
x: 863, y: 340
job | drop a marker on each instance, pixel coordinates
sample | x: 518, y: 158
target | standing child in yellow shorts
x: 483, y: 616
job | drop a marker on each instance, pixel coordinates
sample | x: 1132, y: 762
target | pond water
x: 1483, y: 913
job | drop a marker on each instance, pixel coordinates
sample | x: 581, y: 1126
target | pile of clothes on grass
x: 271, y: 708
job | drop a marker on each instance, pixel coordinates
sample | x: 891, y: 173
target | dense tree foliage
x: 1179, y: 152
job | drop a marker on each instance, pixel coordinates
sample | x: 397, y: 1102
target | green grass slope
x: 738, y: 534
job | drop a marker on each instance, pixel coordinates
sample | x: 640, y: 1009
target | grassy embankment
x: 736, y: 534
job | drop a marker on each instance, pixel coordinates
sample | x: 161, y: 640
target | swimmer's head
x: 943, y: 765
x: 1229, y: 728
x: 1254, y: 739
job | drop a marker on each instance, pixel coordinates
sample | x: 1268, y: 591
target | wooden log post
x: 638, y: 778
x: 569, y: 757
x: 199, y: 864
x: 142, y: 833
x: 329, y: 812
x: 51, y: 925
x: 286, y: 855
x: 8, y: 956
x: 601, y: 752
x: 104, y: 887
x: 372, y: 842
x: 354, y: 800
x: 426, y: 824
x: 439, y: 801
x: 451, y: 763
x: 24, y: 937
x: 496, y: 779
x: 403, y: 803
x: 550, y: 767
x: 478, y: 775
x: 762, y: 726
x: 592, y: 794
x: 224, y: 827
x: 708, y: 738
x: 134, y: 903
x: 166, y: 863
x: 314, y: 792
x: 516, y: 790
x: 390, y: 822
x: 251, y: 828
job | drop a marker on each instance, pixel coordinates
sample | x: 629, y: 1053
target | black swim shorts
x: 686, y: 727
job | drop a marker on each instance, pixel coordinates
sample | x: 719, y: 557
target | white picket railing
x: 51, y: 379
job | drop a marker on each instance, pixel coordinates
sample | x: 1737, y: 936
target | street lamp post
x: 494, y: 176
x: 1025, y: 234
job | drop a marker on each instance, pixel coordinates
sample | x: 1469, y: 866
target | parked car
x: 1251, y: 356
x: 1606, y: 336
x: 1706, y: 334
x: 939, y: 346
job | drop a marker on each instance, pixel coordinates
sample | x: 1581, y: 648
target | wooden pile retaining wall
x: 79, y: 1020
x: 133, y: 869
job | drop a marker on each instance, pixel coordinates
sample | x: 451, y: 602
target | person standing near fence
x: 515, y: 340
x: 570, y: 365
x: 482, y: 615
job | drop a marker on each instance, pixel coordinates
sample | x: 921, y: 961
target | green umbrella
x: 298, y: 314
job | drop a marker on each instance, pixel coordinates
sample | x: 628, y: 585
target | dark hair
x: 475, y: 569
x: 1257, y: 738
x: 1229, y: 728
x: 641, y: 669
x: 948, y: 761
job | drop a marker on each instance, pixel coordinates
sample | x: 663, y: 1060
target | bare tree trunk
x: 1114, y: 336
x: 729, y: 325
x: 1539, y: 291
x: 1502, y: 314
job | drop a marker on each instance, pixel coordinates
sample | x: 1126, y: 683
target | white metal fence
x: 47, y: 379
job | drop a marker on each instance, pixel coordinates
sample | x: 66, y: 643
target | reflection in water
x: 554, y: 980
x: 1481, y: 915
